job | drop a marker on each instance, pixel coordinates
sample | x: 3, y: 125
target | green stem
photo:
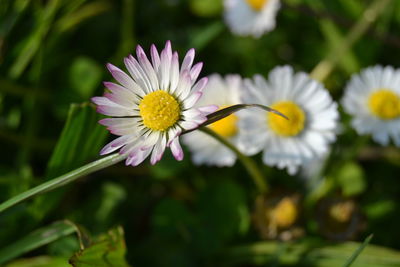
x: 325, y: 67
x: 63, y: 180
x: 248, y: 163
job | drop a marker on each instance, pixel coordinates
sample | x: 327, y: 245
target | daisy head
x: 308, y: 131
x: 251, y: 17
x: 373, y: 99
x: 223, y: 92
x: 152, y: 104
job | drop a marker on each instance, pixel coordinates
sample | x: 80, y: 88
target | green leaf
x: 35, y: 40
x: 38, y: 238
x: 380, y: 208
x: 358, y: 251
x: 310, y: 252
x: 108, y: 251
x: 206, y: 8
x: 335, y: 38
x: 351, y: 179
x: 40, y: 261
x: 225, y: 203
x: 85, y: 75
x: 223, y: 216
x: 112, y: 194
x: 171, y: 218
x: 80, y: 140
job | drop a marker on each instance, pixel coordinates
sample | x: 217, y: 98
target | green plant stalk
x: 248, y: 163
x: 325, y: 67
x: 63, y: 180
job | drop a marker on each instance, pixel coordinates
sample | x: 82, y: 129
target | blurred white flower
x: 251, y: 17
x: 289, y: 143
x: 151, y: 106
x: 205, y: 149
x: 373, y: 99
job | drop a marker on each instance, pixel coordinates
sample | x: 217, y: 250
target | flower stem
x: 325, y: 67
x: 248, y: 163
x: 63, y: 180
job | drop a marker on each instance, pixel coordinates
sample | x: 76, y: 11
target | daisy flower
x: 373, y: 99
x: 205, y: 149
x: 152, y: 105
x: 288, y: 143
x: 251, y: 17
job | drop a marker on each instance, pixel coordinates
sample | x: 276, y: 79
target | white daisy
x: 251, y: 17
x: 153, y: 105
x: 205, y: 149
x: 373, y: 99
x: 288, y: 143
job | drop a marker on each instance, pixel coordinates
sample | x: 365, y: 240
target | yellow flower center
x: 257, y: 5
x: 283, y: 127
x: 384, y: 104
x: 225, y: 127
x: 285, y: 213
x: 342, y: 211
x: 159, y: 110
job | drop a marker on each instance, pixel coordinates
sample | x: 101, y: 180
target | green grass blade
x: 62, y: 180
x: 38, y: 238
x: 358, y: 251
x: 80, y: 140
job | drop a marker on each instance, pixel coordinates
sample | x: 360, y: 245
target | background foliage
x: 52, y: 60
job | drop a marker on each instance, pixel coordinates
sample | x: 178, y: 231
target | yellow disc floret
x: 342, y: 211
x: 384, y: 104
x: 225, y: 127
x: 257, y: 5
x: 159, y: 110
x: 285, y: 213
x: 283, y: 127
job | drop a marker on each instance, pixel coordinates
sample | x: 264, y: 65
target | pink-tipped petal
x: 115, y: 111
x: 100, y: 100
x: 147, y: 67
x: 158, y: 150
x: 199, y: 86
x: 122, y: 92
x: 188, y: 60
x: 115, y: 144
x: 123, y: 101
x: 155, y: 57
x: 208, y: 109
x: 138, y: 74
x: 168, y: 49
x: 173, y: 134
x: 140, y: 157
x: 188, y: 125
x: 176, y: 149
x: 184, y: 86
x: 165, y: 66
x: 174, y: 74
x: 192, y: 99
x: 195, y: 71
x: 121, y: 76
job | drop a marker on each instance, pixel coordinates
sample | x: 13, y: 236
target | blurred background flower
x: 309, y: 129
x: 223, y: 92
x: 251, y: 17
x: 372, y: 97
